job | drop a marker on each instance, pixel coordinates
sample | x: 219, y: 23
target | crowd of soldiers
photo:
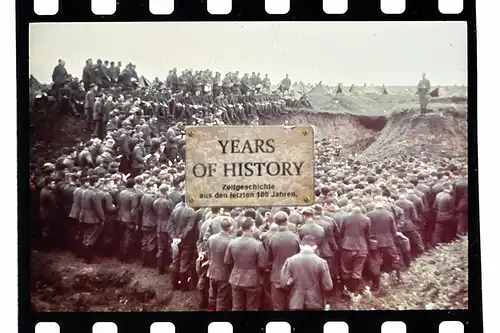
x: 370, y: 217
x: 192, y: 92
x: 121, y: 194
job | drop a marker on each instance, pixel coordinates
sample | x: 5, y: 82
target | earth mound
x: 442, y: 131
x: 437, y: 280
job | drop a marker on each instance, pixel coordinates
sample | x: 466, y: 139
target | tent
x: 342, y: 90
x: 318, y: 90
x: 143, y: 82
x: 35, y: 85
x: 319, y: 97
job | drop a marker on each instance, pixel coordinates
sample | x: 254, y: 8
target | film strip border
x: 271, y: 327
x: 66, y: 10
x: 440, y: 321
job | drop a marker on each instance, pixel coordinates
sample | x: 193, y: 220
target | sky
x: 390, y: 53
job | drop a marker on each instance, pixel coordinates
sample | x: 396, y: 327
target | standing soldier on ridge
x: 424, y: 88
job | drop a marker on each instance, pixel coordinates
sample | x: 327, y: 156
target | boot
x: 203, y: 305
x: 184, y: 282
x: 175, y: 280
x: 89, y: 254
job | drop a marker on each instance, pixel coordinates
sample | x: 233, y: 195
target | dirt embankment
x: 404, y: 132
x: 400, y: 133
x: 59, y: 282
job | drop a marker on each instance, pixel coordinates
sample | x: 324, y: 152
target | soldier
x: 218, y: 272
x: 408, y: 227
x: 87, y: 74
x: 149, y: 225
x: 281, y: 245
x: 98, y: 115
x: 138, y: 158
x: 89, y: 106
x: 460, y: 196
x: 214, y: 225
x: 128, y: 205
x: 354, y: 232
x: 307, y: 276
x: 248, y: 257
x: 310, y: 227
x: 92, y: 217
x: 383, y: 227
x: 424, y: 87
x: 286, y: 84
x: 266, y: 83
x: 68, y: 225
x: 180, y: 228
x: 446, y: 223
x: 329, y: 246
x: 112, y: 73
x: 163, y: 208
x: 109, y: 209
x: 74, y: 215
x: 420, y: 208
x: 48, y: 212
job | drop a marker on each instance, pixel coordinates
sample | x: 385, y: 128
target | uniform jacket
x: 329, y: 245
x: 163, y: 208
x: 281, y: 245
x: 89, y: 99
x: 310, y: 280
x: 213, y: 227
x: 355, y: 231
x: 76, y: 208
x: 48, y: 203
x: 98, y: 110
x: 383, y: 226
x: 128, y: 204
x: 216, y: 251
x: 310, y: 227
x: 248, y: 257
x: 409, y: 214
x: 138, y: 155
x: 444, y: 207
x: 107, y: 205
x: 92, y: 211
x: 180, y: 221
x: 148, y: 213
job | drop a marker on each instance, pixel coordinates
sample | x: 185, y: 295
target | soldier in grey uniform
x: 74, y: 214
x: 218, y: 272
x: 408, y: 227
x: 248, y: 258
x: 383, y: 227
x: 354, y: 232
x: 213, y: 227
x: 128, y: 206
x: 307, y: 276
x: 424, y: 88
x: 281, y: 245
x: 163, y: 208
x: 329, y: 245
x: 180, y: 226
x: 149, y: 225
x: 92, y: 217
